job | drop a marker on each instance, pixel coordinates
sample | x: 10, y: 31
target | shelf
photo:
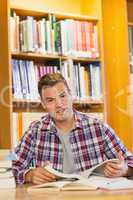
x: 88, y: 102
x: 130, y: 23
x: 59, y: 15
x: 33, y: 106
x: 40, y: 56
x: 34, y: 56
x: 80, y: 59
x: 26, y: 106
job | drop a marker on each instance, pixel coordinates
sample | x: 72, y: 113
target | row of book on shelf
x: 51, y: 35
x: 85, y: 81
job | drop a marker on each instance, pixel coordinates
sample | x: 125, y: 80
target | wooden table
x: 21, y: 193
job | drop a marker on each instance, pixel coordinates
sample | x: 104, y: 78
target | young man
x: 69, y: 140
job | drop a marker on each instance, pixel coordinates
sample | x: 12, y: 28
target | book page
x: 110, y: 183
x: 54, y: 184
x: 63, y: 185
x: 97, y: 168
x: 60, y: 174
x: 82, y: 175
x: 6, y: 173
x: 5, y: 164
x: 79, y: 185
x: 6, y: 183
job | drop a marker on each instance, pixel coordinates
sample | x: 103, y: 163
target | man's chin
x: 62, y: 118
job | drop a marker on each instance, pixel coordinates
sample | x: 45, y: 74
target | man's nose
x: 58, y: 102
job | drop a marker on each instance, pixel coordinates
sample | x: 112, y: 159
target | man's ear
x: 43, y: 104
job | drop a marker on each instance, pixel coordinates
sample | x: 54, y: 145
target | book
x: 63, y: 185
x: 84, y: 181
x: 97, y: 169
x: 117, y: 183
x: 5, y: 163
x: 7, y: 179
x: 71, y: 181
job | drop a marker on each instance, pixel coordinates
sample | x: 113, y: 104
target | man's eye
x: 63, y: 95
x: 49, y: 100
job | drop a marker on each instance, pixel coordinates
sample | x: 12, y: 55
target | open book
x: 72, y: 181
x: 117, y: 183
x: 97, y: 169
x: 63, y: 185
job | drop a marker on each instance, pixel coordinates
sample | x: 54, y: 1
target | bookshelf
x: 112, y: 28
x: 24, y: 105
x: 5, y: 91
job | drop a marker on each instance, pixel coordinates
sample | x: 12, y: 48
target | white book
x: 82, y: 175
x: 71, y: 181
x: 5, y: 173
x: 63, y: 185
x: 7, y: 179
x: 117, y: 183
x: 29, y: 34
x: 5, y: 164
x: 85, y: 181
x: 7, y: 183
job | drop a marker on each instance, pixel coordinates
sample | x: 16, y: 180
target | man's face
x: 58, y: 102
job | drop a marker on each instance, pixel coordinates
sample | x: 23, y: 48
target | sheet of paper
x: 111, y: 183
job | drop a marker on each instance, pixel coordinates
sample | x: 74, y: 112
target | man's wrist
x: 28, y: 176
x: 129, y: 171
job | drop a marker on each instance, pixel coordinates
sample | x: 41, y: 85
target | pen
x: 33, y: 163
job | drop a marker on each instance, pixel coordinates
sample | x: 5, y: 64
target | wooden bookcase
x: 37, y: 10
x: 5, y: 78
x: 113, y: 40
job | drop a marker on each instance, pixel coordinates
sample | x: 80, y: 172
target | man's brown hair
x: 49, y: 80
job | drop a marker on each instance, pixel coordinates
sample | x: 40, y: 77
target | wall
x: 115, y: 29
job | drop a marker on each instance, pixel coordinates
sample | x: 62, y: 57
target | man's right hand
x: 39, y: 175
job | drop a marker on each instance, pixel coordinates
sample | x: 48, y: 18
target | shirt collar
x: 48, y: 123
x: 78, y: 121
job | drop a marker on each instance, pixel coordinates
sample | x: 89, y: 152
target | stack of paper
x: 6, y: 176
x: 118, y: 183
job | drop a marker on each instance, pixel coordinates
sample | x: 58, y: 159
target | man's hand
x: 116, y: 169
x: 39, y: 175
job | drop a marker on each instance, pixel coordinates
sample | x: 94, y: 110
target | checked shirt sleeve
x: 113, y: 145
x: 24, y: 154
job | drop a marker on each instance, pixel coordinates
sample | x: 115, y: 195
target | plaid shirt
x: 92, y: 142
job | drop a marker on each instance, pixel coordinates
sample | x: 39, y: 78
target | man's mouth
x: 60, y: 111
